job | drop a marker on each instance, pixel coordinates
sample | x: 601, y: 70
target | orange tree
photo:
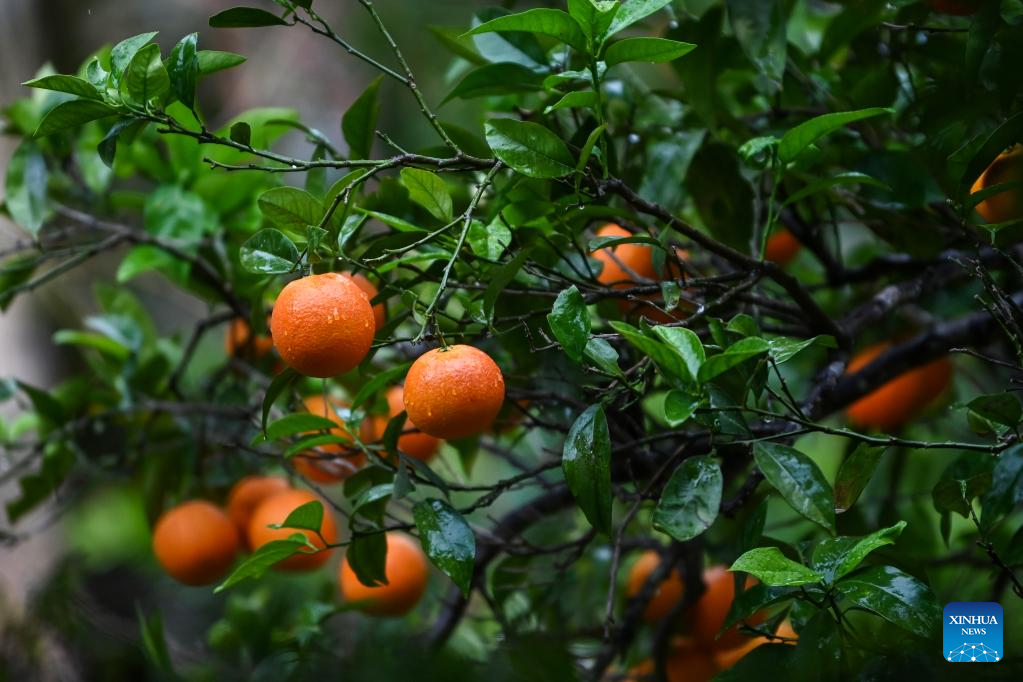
x: 710, y: 317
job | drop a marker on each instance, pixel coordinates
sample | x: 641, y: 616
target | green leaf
x: 1009, y: 132
x: 529, y: 148
x: 796, y: 140
x: 1000, y: 408
x: 25, y: 187
x: 687, y: 344
x: 759, y: 26
x: 98, y: 342
x: 594, y: 17
x: 736, y: 354
x: 551, y: 22
x: 147, y: 258
x: 291, y: 209
x: 306, y: 443
x: 299, y: 422
x: 753, y: 599
x: 689, y: 502
x: 211, y: 61
x: 376, y: 384
x: 489, y: 241
x: 835, y: 557
x: 850, y: 178
x: 107, y: 148
x: 153, y: 641
x: 773, y: 568
x: 459, y: 45
x: 652, y: 50
x: 183, y: 69
x: 956, y: 494
x: 784, y: 349
x: 799, y: 481
x: 1006, y: 491
x: 367, y: 557
x: 71, y: 115
x: 269, y: 252
x: 429, y: 191
x: 496, y: 79
x: 241, y: 132
x: 265, y: 557
x: 69, y: 84
x: 245, y: 17
x: 570, y: 322
x: 372, y: 502
x: 448, y: 540
x: 632, y: 11
x: 145, y: 79
x: 573, y: 100
x: 587, y: 150
x: 123, y: 52
x: 499, y: 279
x: 680, y: 406
x: 664, y: 357
x: 309, y: 516
x: 854, y: 474
x: 277, y: 386
x: 897, y: 597
x: 359, y: 123
x: 603, y: 355
x: 586, y: 461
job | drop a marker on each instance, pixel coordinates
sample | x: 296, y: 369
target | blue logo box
x: 972, y: 632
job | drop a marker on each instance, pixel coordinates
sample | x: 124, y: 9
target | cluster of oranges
x: 702, y: 653
x: 197, y: 542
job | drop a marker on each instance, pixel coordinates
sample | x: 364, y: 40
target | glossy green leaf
x: 784, y: 349
x: 25, y: 186
x: 245, y: 17
x: 680, y: 406
x: 759, y: 26
x: 145, y: 79
x: 183, y: 69
x: 773, y: 568
x: 551, y: 22
x: 687, y: 344
x: 308, y: 516
x: 570, y: 322
x: 264, y: 557
x: 1006, y: 491
x: 123, y: 52
x: 448, y: 540
x: 277, y: 386
x: 211, y: 61
x: 291, y: 209
x: 573, y: 100
x: 663, y: 356
x: 690, y: 500
x: 736, y: 354
x: 367, y: 557
x: 269, y: 252
x: 1000, y: 408
x: 632, y: 11
x: 71, y: 115
x: 897, y: 597
x: 796, y: 140
x: 798, y: 480
x: 594, y: 17
x: 529, y: 148
x: 856, y: 471
x: 299, y: 422
x: 586, y: 461
x: 603, y: 355
x: 497, y: 79
x: 429, y: 191
x: 835, y: 557
x: 69, y: 84
x: 652, y: 50
x: 360, y: 121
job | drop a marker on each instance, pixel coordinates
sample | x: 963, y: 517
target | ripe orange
x: 318, y: 465
x: 195, y: 542
x: 406, y: 571
x: 322, y: 325
x: 686, y: 661
x: 240, y: 341
x: 275, y: 509
x: 418, y: 445
x: 669, y: 592
x: 379, y: 314
x: 959, y: 8
x: 708, y: 614
x: 246, y: 495
x: 893, y: 404
x: 782, y: 247
x: 726, y: 659
x: 1008, y: 204
x: 623, y: 263
x: 453, y: 392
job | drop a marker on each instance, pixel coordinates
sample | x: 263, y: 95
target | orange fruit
x: 241, y: 342
x: 1008, y: 204
x: 669, y: 592
x: 782, y: 247
x: 453, y: 392
x: 322, y: 325
x: 275, y: 509
x: 959, y: 8
x: 709, y: 612
x: 246, y: 495
x: 726, y: 659
x: 379, y: 314
x: 418, y: 445
x: 686, y: 661
x: 195, y: 542
x: 317, y: 465
x: 891, y: 405
x: 625, y: 262
x: 406, y: 571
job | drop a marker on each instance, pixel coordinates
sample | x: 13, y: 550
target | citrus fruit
x: 782, y: 247
x: 246, y: 495
x: 624, y: 264
x: 729, y: 657
x: 195, y: 542
x: 241, y: 342
x: 894, y: 403
x: 275, y: 509
x: 1005, y: 205
x: 406, y: 571
x: 668, y: 594
x: 322, y: 325
x: 453, y: 392
x: 709, y: 612
x: 368, y: 288
x: 331, y: 462
x: 418, y: 445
